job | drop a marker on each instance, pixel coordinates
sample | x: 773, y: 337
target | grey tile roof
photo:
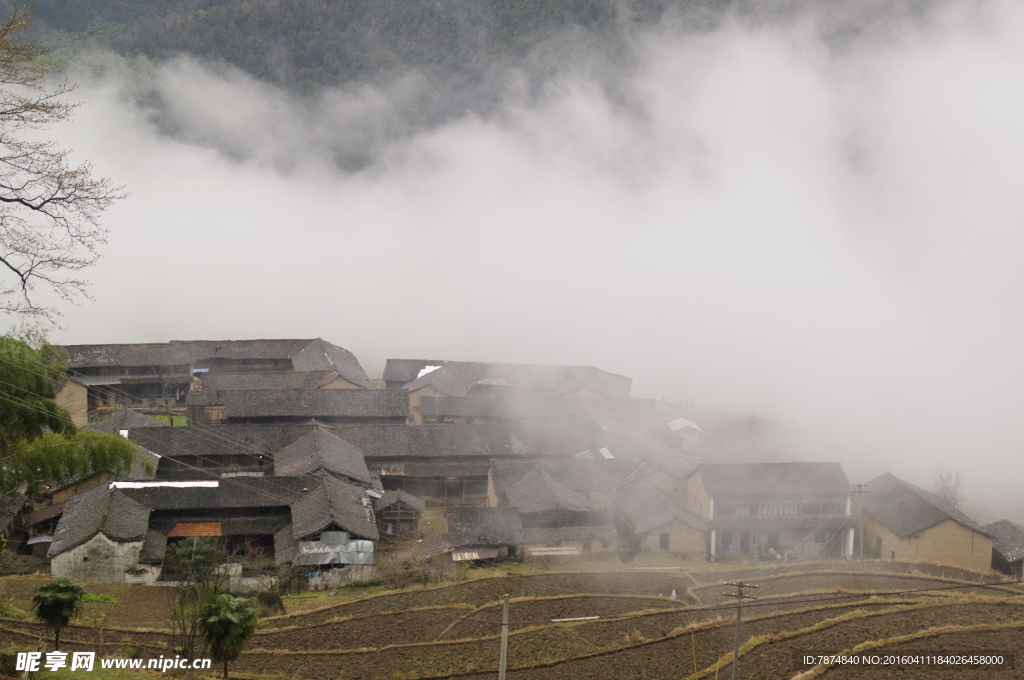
x: 10, y: 506
x: 179, y: 352
x: 44, y: 514
x: 647, y: 507
x: 537, y: 491
x: 264, y: 380
x: 321, y: 450
x: 554, y: 381
x: 219, y: 440
x: 450, y: 440
x: 469, y: 526
x: 138, y: 472
x: 527, y: 405
x: 306, y: 403
x: 392, y: 497
x: 577, y: 474
x: 774, y: 479
x: 154, y: 548
x: 907, y: 510
x: 320, y: 355
x: 99, y: 510
x: 333, y: 502
x: 1009, y: 539
x: 234, y: 492
x: 124, y: 419
x: 444, y: 381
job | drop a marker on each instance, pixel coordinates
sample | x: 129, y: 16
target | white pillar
x: 849, y: 544
x: 712, y: 542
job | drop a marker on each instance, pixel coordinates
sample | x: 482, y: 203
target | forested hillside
x: 313, y: 43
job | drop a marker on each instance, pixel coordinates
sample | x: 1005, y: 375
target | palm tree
x: 57, y: 603
x: 227, y: 623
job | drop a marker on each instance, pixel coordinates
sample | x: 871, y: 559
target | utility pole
x: 504, y: 640
x: 859, y: 489
x: 739, y: 586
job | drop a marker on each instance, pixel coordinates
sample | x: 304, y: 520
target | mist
x: 755, y: 217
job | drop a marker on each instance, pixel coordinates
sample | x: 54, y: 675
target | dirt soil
x: 485, y: 621
x: 368, y: 632
x: 766, y: 660
x: 143, y: 604
x: 881, y: 566
x: 1004, y: 640
x: 797, y: 583
x: 486, y: 590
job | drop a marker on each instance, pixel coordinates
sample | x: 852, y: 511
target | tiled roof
x: 1009, y: 539
x: 10, y: 506
x: 44, y: 514
x: 528, y: 406
x: 182, y: 529
x: 554, y: 381
x: 220, y: 440
x: 305, y: 403
x: 433, y: 469
x: 180, y: 352
x: 154, y: 547
x: 393, y: 497
x: 469, y: 526
x: 321, y: 450
x: 483, y: 441
x: 537, y: 491
x: 444, y: 381
x: 647, y: 508
x: 907, y: 510
x: 124, y: 420
x: 320, y: 355
x: 234, y: 492
x: 333, y: 502
x: 263, y: 380
x: 577, y: 474
x: 774, y: 479
x: 99, y: 509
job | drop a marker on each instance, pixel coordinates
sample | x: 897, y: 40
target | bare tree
x: 49, y: 209
x: 949, y: 486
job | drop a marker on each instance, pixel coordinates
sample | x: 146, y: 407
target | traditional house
x: 160, y: 375
x: 649, y: 519
x: 688, y: 433
x: 1007, y: 547
x: 434, y: 382
x: 398, y: 513
x: 544, y: 502
x: 798, y: 507
x: 592, y: 478
x: 124, y: 419
x: 904, y: 522
x: 561, y: 382
x: 522, y: 406
x: 295, y: 406
x: 488, y: 533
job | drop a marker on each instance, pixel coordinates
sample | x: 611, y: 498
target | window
x: 663, y: 542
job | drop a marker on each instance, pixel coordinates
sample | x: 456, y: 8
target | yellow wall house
x: 904, y: 522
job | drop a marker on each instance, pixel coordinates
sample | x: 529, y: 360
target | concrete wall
x: 104, y: 561
x: 945, y: 543
x: 682, y: 538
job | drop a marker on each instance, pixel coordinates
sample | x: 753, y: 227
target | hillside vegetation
x: 313, y: 43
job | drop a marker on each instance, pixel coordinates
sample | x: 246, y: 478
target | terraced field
x: 638, y: 633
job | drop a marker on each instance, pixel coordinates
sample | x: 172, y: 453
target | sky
x: 754, y: 218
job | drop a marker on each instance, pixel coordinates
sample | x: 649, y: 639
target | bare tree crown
x: 49, y: 210
x: 949, y: 486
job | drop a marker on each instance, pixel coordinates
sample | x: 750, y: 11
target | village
x: 384, y: 519
x: 293, y: 456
